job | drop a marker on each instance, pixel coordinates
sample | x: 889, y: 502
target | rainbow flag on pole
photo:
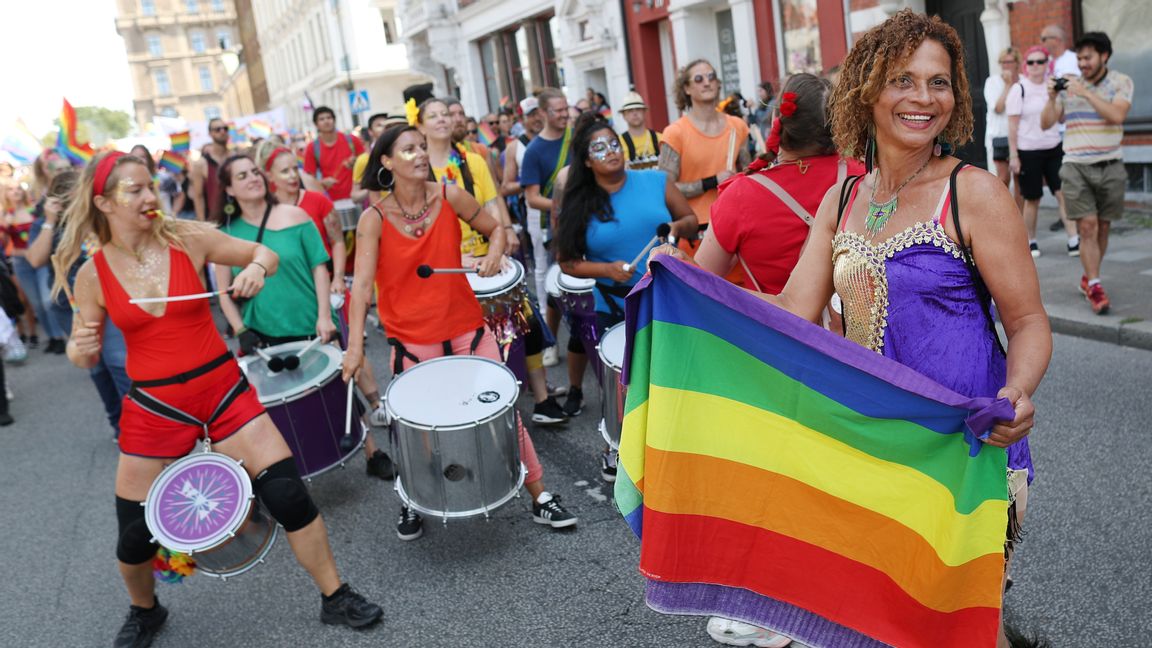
x: 781, y: 475
x: 66, y: 141
x: 485, y: 134
x: 173, y: 161
x: 181, y: 142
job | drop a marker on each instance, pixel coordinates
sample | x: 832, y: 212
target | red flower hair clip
x: 787, y: 104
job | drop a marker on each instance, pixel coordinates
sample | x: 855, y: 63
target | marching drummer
x: 608, y: 216
x: 414, y: 224
x: 181, y: 372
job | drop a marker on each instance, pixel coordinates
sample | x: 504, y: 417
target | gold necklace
x: 801, y: 165
x: 136, y: 254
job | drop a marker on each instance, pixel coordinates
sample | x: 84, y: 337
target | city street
x: 1082, y: 574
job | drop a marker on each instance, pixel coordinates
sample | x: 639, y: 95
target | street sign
x: 358, y: 99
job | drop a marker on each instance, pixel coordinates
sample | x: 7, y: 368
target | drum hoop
x: 600, y: 348
x: 517, y: 280
x: 574, y: 290
x: 387, y: 400
x: 305, y: 389
x: 226, y: 532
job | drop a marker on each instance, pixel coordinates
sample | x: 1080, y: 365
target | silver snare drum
x: 611, y: 352
x: 454, y: 423
x: 349, y: 213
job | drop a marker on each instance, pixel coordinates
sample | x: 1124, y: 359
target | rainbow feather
x: 172, y: 566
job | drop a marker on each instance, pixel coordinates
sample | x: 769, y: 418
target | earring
x: 229, y: 206
x: 938, y: 150
x: 380, y: 179
x: 870, y: 153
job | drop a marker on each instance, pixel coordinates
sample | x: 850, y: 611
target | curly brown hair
x: 870, y: 66
x: 683, y: 101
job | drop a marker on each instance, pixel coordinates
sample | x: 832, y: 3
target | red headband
x: 276, y: 152
x: 103, y: 170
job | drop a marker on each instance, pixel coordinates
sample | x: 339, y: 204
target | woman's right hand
x: 1014, y: 165
x: 668, y: 249
x: 353, y: 360
x: 617, y: 273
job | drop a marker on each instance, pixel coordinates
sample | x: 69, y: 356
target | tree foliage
x: 97, y: 125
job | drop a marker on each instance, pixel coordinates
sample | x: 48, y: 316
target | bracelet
x: 709, y: 183
x: 47, y: 226
x: 260, y: 265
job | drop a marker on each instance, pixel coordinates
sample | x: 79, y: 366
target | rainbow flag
x: 259, y: 129
x: 781, y: 475
x: 173, y: 161
x: 606, y: 112
x: 485, y: 134
x: 181, y: 142
x: 66, y: 141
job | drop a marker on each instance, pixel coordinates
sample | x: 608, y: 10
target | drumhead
x: 552, y: 281
x: 345, y: 205
x: 612, y: 346
x: 571, y: 284
x: 317, y: 367
x: 451, y: 391
x: 198, y: 502
x: 511, y: 274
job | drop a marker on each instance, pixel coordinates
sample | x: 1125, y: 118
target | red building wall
x: 1027, y: 19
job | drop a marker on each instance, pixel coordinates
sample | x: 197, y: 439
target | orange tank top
x: 182, y: 339
x: 424, y: 311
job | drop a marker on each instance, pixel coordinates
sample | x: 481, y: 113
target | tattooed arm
x: 670, y: 163
x: 743, y: 160
x: 335, y: 231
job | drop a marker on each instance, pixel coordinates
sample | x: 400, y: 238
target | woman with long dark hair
x: 607, y: 216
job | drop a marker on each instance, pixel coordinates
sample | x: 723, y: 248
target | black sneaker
x: 346, y: 607
x: 1074, y: 249
x: 140, y: 627
x: 608, y: 466
x: 547, y: 510
x: 380, y: 465
x: 410, y: 525
x: 549, y: 412
x: 1056, y: 226
x: 6, y: 419
x: 33, y: 342
x: 574, y: 404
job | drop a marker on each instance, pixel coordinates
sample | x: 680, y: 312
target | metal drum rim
x: 244, y: 509
x: 461, y: 515
x: 507, y: 288
x: 396, y: 418
x: 253, y: 561
x: 600, y: 349
x: 304, y: 392
x: 575, y: 290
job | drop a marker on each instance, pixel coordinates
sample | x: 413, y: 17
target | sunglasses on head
x: 1037, y: 61
x: 700, y: 78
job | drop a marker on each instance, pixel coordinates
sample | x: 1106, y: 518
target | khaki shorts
x: 1094, y: 190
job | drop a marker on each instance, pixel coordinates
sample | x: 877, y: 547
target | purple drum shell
x: 313, y: 426
x: 517, y: 361
x: 197, y: 501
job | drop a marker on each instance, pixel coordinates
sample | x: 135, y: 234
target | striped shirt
x: 1088, y: 138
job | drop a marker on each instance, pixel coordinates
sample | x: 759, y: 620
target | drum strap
x: 187, y: 375
x: 402, y: 352
x: 608, y: 292
x: 158, y: 407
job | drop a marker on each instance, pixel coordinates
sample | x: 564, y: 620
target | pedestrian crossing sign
x: 359, y: 101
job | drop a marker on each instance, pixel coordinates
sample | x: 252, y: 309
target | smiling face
x: 1091, y: 63
x: 556, y: 113
x: 131, y: 200
x: 409, y: 158
x: 917, y: 102
x: 284, y: 173
x: 436, y: 122
x: 245, y: 183
x: 16, y: 196
x: 1036, y: 65
x: 605, y: 156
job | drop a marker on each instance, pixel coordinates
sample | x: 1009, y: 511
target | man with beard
x: 202, y: 181
x: 1092, y: 107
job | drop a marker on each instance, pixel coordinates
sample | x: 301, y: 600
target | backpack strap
x: 970, y: 260
x: 784, y: 197
x: 655, y: 137
x: 845, y: 195
x: 316, y: 154
x: 630, y: 145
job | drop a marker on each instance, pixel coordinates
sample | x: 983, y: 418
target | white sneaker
x: 551, y: 357
x: 738, y: 633
x: 379, y: 417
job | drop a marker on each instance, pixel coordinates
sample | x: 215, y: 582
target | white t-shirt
x: 996, y: 123
x: 1065, y: 64
x: 1026, y: 100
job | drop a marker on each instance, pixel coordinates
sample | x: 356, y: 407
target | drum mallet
x: 346, y: 442
x: 426, y: 271
x: 275, y: 363
x: 662, y: 232
x: 293, y: 361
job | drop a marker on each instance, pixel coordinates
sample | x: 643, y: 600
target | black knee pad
x: 282, y: 491
x: 134, y: 546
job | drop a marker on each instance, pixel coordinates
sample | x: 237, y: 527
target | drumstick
x: 426, y: 271
x: 662, y: 231
x: 346, y: 443
x: 177, y: 298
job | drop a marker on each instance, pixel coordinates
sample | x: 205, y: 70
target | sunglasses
x: 700, y: 78
x: 493, y: 123
x: 1037, y: 61
x: 216, y: 129
x: 1008, y: 62
x: 472, y: 131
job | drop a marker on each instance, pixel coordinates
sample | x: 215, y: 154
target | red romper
x: 180, y: 368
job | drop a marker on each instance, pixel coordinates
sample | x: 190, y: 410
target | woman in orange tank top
x: 185, y: 383
x: 414, y: 225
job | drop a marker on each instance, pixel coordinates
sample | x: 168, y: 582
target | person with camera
x: 1092, y: 108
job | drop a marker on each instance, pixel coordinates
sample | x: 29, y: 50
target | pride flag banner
x: 781, y: 475
x: 66, y: 141
x: 259, y: 129
x: 181, y: 142
x: 173, y: 161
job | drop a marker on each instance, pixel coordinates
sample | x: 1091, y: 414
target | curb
x: 1137, y: 334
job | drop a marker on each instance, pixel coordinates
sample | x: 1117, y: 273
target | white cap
x: 528, y: 104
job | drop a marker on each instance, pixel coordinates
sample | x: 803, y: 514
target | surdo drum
x: 308, y: 405
x: 613, y: 392
x: 349, y: 214
x: 454, y: 424
x: 203, y: 505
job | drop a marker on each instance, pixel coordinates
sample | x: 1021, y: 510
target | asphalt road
x: 1082, y: 574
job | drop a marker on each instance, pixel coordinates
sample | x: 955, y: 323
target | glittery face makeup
x: 600, y: 148
x: 408, y: 155
x: 124, y: 190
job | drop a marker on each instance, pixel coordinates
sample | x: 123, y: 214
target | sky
x: 61, y: 48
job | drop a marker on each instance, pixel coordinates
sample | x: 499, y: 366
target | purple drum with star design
x: 579, y: 307
x: 203, y: 505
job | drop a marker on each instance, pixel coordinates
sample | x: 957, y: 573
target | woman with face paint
x: 417, y: 223
x: 182, y: 372
x: 608, y: 215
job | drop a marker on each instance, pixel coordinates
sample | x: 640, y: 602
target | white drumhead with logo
x: 451, y: 392
x: 511, y: 274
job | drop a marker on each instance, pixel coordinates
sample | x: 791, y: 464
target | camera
x: 1060, y: 84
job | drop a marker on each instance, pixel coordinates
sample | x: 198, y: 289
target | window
x: 163, y: 85
x: 154, y: 48
x: 489, y: 66
x: 168, y: 111
x: 205, y: 78
x: 196, y: 40
x: 192, y: 6
x: 218, y: 6
x: 148, y: 7
x: 801, y: 36
x: 224, y: 38
x: 211, y: 112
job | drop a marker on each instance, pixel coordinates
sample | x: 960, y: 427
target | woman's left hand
x: 670, y: 250
x: 490, y: 265
x: 249, y: 282
x: 325, y: 329
x: 1005, y: 434
x: 512, y: 245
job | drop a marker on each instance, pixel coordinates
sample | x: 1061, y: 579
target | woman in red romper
x: 176, y: 359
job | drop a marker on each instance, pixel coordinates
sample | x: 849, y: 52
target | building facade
x: 324, y: 52
x: 175, y: 50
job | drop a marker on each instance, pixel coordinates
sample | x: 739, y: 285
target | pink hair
x: 1028, y: 52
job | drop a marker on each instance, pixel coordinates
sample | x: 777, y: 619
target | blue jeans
x: 36, y: 284
x: 110, y: 376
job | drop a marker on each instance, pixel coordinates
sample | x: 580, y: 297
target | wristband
x: 261, y: 266
x: 709, y: 183
x: 47, y: 226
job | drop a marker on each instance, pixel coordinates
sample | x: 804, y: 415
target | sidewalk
x: 1126, y: 275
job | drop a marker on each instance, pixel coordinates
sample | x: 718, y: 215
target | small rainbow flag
x: 485, y: 134
x: 259, y: 129
x: 783, y: 476
x: 181, y: 142
x: 173, y: 161
x: 606, y: 112
x: 66, y: 141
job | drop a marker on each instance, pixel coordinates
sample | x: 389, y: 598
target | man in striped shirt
x: 1093, y: 108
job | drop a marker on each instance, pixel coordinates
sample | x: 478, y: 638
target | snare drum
x: 612, y: 390
x: 203, y: 505
x: 455, y: 427
x: 308, y: 405
x: 349, y: 213
x: 504, y: 300
x: 579, y: 306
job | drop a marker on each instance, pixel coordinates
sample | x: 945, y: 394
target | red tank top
x: 424, y: 311
x: 183, y: 338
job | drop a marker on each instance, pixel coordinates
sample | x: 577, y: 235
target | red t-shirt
x: 318, y: 207
x: 750, y: 220
x: 332, y: 160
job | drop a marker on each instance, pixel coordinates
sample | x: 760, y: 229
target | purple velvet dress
x: 912, y: 299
